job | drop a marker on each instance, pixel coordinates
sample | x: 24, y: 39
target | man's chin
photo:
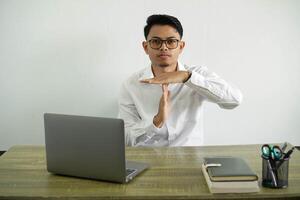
x: 163, y: 65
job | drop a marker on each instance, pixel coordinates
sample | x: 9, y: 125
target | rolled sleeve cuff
x: 195, y: 79
x: 151, y: 131
x: 199, y: 83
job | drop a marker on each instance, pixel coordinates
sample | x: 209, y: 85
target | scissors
x: 271, y: 152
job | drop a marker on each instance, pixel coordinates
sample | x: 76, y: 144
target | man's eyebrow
x: 171, y: 37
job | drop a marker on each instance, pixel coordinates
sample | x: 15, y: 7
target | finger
x: 146, y: 81
x: 156, y: 80
x: 165, y: 87
x: 169, y: 97
x: 152, y: 81
x: 165, y: 91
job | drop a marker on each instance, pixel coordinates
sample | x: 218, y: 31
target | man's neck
x: 157, y: 70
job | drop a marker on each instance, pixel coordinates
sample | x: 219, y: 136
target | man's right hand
x: 163, y: 110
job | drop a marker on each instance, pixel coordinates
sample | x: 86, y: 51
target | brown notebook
x: 231, y: 169
x: 229, y: 186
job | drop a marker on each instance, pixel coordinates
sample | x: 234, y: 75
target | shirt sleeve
x: 138, y: 132
x: 214, y: 88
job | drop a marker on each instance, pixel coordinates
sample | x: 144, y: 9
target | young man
x: 162, y: 104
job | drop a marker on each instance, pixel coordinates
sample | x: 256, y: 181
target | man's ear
x: 145, y: 46
x: 181, y: 45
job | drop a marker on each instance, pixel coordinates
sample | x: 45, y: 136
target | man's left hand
x: 169, y: 77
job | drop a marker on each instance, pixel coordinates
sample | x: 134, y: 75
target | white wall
x: 71, y: 57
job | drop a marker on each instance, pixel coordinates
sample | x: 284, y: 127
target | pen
x: 272, y: 172
x: 283, y: 147
x: 286, y: 157
x: 274, y: 180
x: 288, y: 154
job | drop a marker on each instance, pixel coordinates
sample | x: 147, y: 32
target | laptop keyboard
x: 130, y: 171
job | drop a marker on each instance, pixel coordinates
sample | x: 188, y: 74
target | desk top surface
x: 175, y: 173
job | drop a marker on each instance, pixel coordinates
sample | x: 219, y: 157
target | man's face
x: 163, y: 56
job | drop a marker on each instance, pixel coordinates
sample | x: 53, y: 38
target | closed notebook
x: 231, y: 169
x: 229, y: 186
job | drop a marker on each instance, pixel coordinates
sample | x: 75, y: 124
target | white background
x: 71, y: 57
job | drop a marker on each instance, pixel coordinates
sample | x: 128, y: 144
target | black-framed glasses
x: 156, y: 43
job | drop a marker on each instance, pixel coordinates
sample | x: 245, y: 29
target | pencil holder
x: 275, y: 173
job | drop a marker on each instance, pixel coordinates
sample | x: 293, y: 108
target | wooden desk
x: 175, y: 173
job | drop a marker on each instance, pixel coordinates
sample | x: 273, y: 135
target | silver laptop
x: 88, y: 147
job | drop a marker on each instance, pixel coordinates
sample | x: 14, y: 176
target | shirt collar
x: 147, y: 74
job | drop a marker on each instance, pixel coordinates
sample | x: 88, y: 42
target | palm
x: 169, y: 77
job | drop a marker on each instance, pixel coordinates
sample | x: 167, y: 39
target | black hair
x: 163, y: 20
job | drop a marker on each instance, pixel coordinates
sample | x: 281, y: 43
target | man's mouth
x: 163, y: 55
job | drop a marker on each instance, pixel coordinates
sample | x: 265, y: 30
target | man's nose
x: 163, y: 46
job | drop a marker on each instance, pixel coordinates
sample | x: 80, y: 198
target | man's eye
x: 171, y: 41
x: 156, y: 41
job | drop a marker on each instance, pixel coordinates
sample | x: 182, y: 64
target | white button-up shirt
x: 139, y: 102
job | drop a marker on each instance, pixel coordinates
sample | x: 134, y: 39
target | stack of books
x: 229, y: 175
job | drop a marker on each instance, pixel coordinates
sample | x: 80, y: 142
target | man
x: 162, y: 104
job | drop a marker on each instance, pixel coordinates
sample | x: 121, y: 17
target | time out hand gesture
x: 169, y: 77
x: 163, y: 110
